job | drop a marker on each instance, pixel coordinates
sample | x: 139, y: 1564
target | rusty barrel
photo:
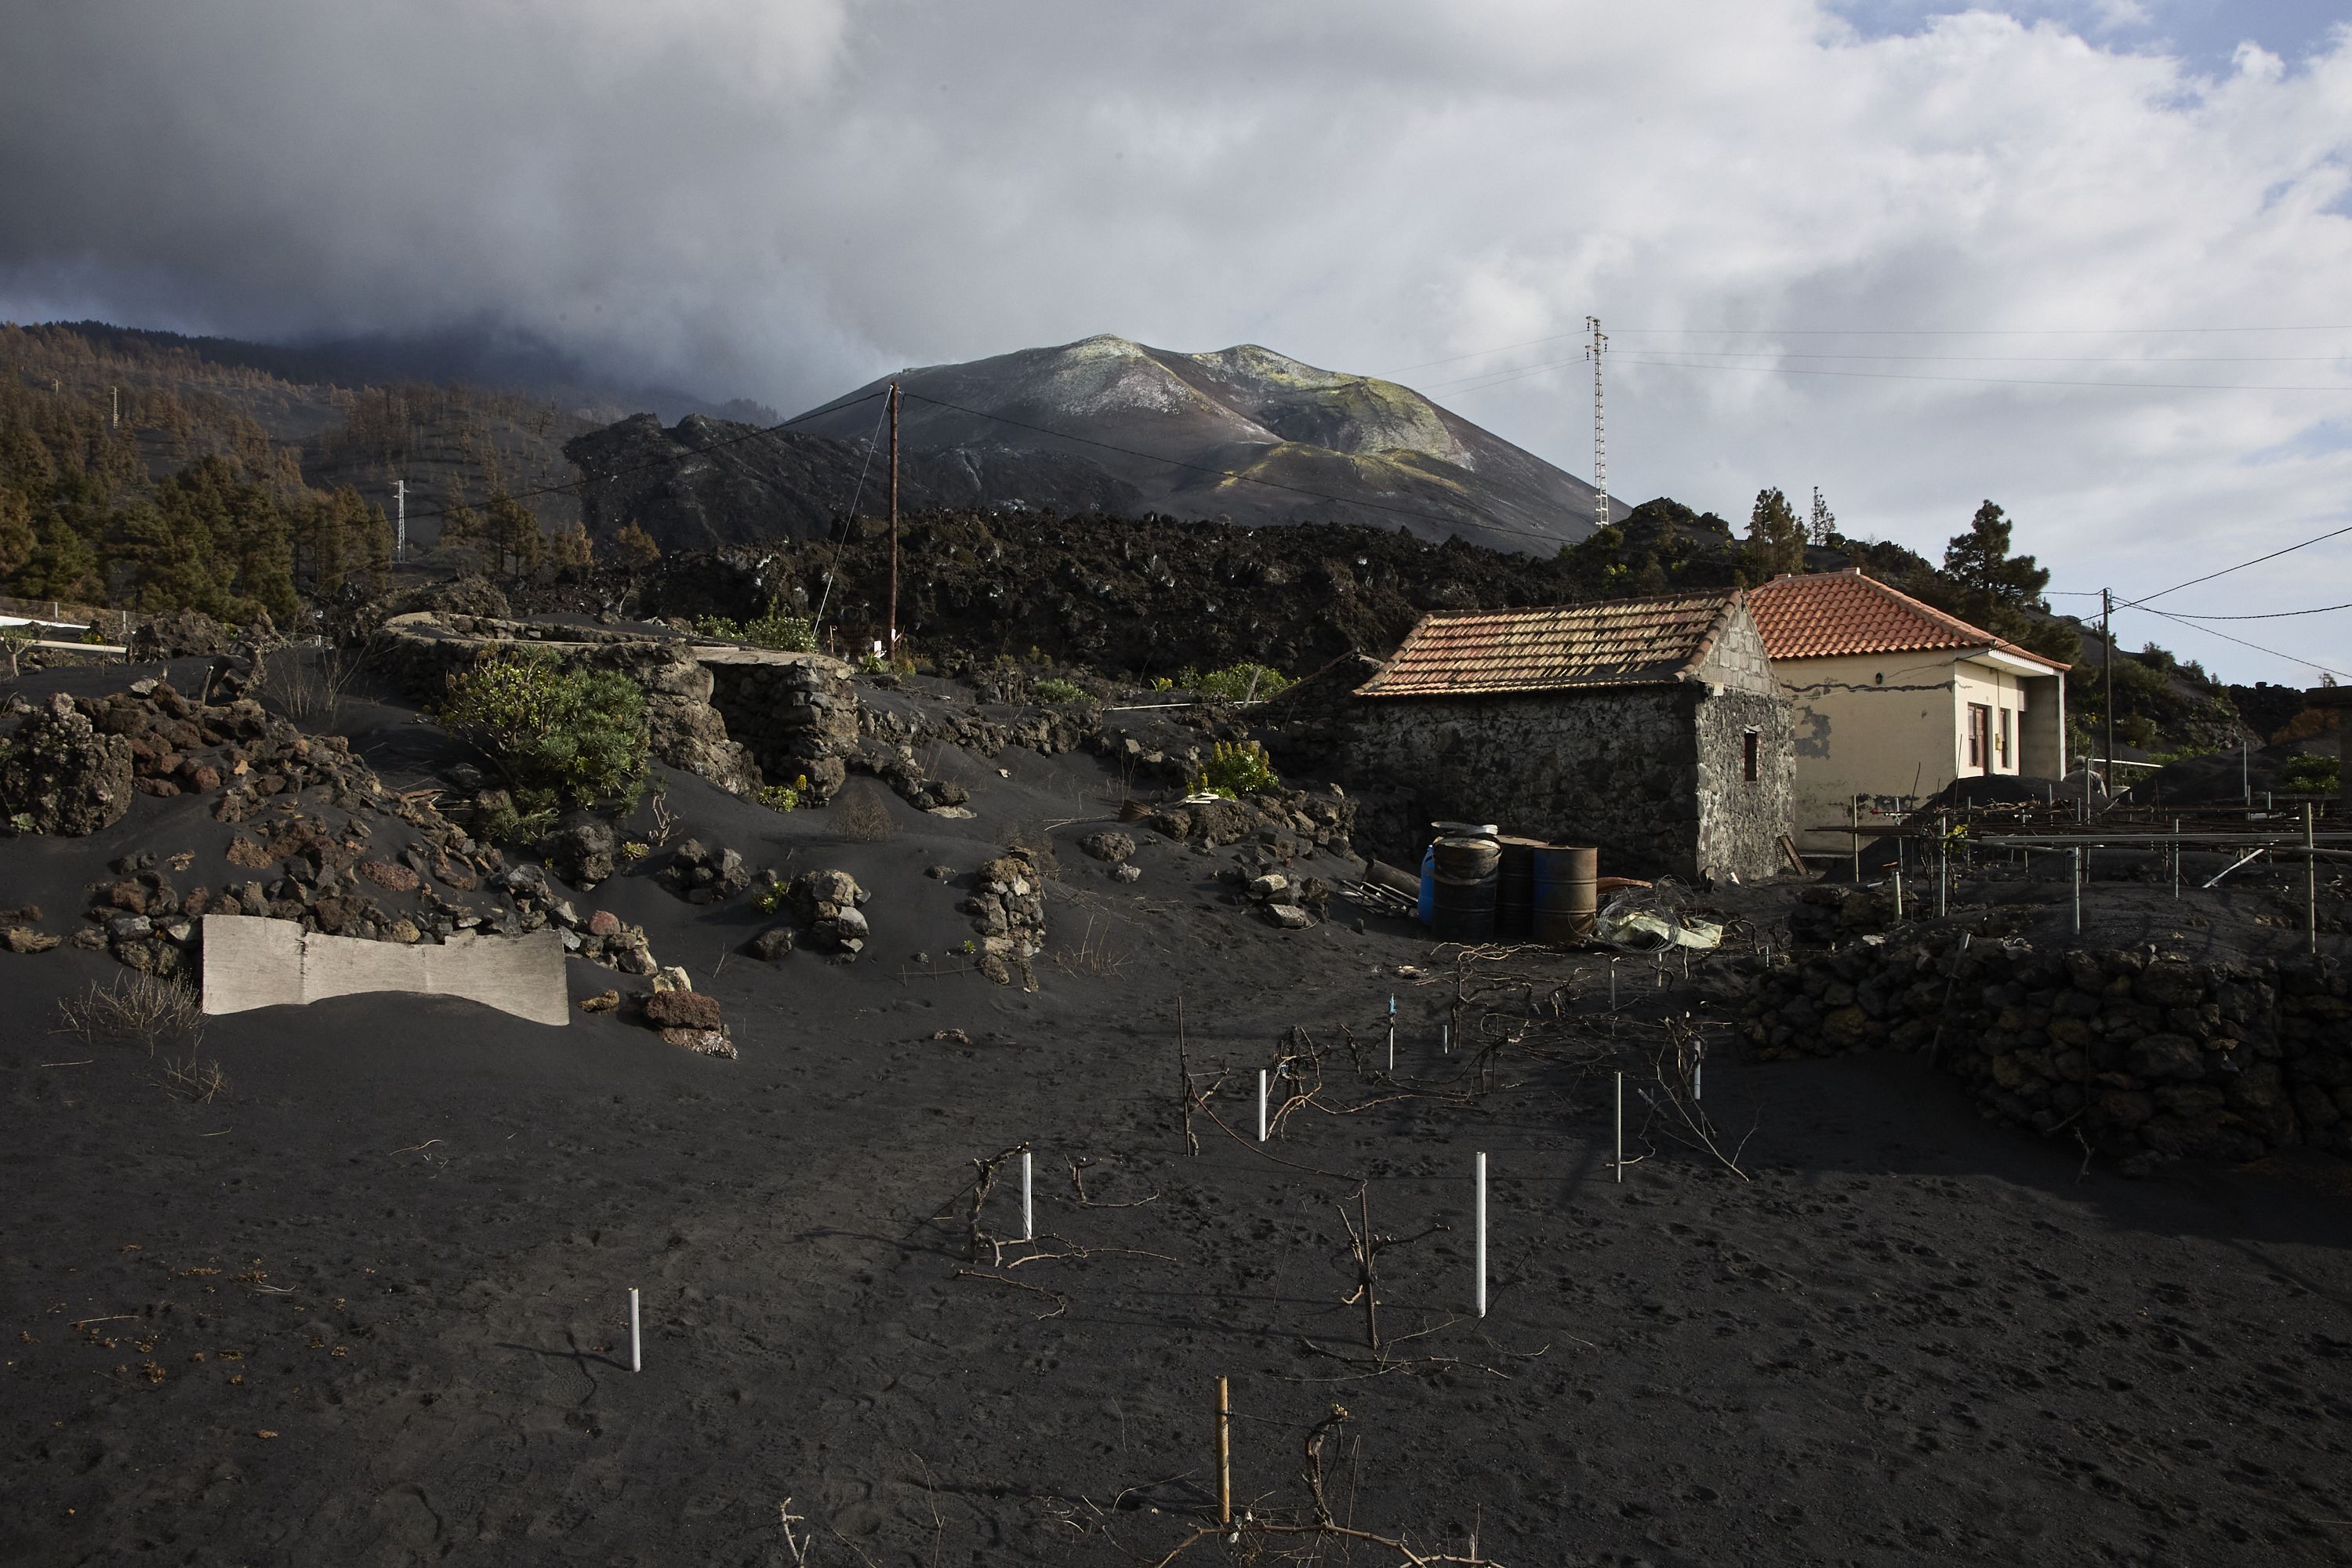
x: 1567, y: 893
x: 1462, y: 887
x: 1515, y: 887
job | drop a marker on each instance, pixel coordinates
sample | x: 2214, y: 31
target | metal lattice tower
x: 1600, y: 427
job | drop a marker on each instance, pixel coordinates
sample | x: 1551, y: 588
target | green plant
x: 788, y: 634
x: 1161, y: 683
x: 769, y: 899
x: 1242, y: 682
x: 969, y: 948
x: 1053, y: 690
x: 784, y: 797
x: 1236, y: 768
x: 633, y: 851
x: 560, y: 736
x: 2312, y: 775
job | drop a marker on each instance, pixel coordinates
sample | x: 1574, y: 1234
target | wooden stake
x: 2310, y: 881
x: 1224, y: 1454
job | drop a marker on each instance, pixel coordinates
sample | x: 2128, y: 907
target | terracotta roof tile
x: 1619, y: 642
x: 1831, y: 613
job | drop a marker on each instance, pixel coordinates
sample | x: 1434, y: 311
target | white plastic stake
x: 1391, y: 1034
x: 1698, y: 1066
x: 2076, y: 870
x: 1445, y: 1039
x: 1620, y: 1125
x: 2175, y: 860
x: 1482, y: 1234
x: 1028, y: 1212
x: 1261, y: 1105
x: 637, y: 1335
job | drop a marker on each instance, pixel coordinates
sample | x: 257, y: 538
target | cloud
x: 781, y: 199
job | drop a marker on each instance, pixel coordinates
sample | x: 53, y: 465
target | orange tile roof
x: 1830, y: 613
x: 1618, y: 642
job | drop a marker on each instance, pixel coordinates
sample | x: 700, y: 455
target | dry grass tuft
x: 862, y: 814
x: 305, y: 686
x: 202, y: 1081
x: 1095, y: 955
x: 144, y: 1009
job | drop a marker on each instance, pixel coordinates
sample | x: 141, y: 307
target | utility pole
x: 892, y: 652
x: 1600, y: 429
x: 116, y: 393
x: 2108, y: 636
x: 400, y: 538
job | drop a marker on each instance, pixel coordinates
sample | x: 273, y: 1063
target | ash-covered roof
x: 1831, y: 613
x: 1562, y: 647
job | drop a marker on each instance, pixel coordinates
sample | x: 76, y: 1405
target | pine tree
x: 1776, y: 541
x: 634, y: 548
x: 1979, y: 564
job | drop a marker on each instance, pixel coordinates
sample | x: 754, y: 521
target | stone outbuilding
x: 1895, y: 699
x: 1652, y: 727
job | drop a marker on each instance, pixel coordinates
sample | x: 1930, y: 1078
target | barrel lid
x: 1465, y: 842
x: 1465, y: 829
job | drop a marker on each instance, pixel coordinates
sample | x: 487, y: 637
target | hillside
x: 1243, y: 433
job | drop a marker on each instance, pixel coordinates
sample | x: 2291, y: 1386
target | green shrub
x: 789, y: 634
x: 560, y: 737
x: 2313, y: 776
x: 1052, y: 690
x: 784, y: 797
x: 1241, y: 683
x: 1235, y: 769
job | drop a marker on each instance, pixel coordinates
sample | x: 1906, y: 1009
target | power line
x: 2224, y: 572
x: 1500, y: 378
x: 1878, y: 332
x: 2274, y: 615
x: 2225, y: 636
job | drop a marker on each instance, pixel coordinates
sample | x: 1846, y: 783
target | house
x: 1894, y: 699
x: 1651, y: 728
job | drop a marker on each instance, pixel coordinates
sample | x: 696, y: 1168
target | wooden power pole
x: 891, y: 650
x: 2108, y: 636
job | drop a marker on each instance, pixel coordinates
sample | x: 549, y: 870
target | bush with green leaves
x: 559, y: 737
x: 1244, y: 682
x: 2312, y: 775
x: 1053, y: 690
x: 1236, y: 768
x: 788, y: 634
x: 784, y: 797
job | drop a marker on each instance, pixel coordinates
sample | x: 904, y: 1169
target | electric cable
x: 2225, y: 636
x: 834, y: 570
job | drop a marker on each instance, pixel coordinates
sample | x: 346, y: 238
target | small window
x: 1747, y: 761
x: 2004, y: 752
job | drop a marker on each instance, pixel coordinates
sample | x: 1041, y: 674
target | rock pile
x: 2151, y: 1058
x: 60, y: 774
x: 1008, y: 909
x: 826, y: 910
x: 704, y: 875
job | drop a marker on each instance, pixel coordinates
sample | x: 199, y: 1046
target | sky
x: 2089, y: 258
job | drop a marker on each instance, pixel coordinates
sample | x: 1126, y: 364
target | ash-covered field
x: 368, y: 1305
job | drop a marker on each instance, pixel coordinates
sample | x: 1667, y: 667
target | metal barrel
x: 1567, y: 895
x: 1464, y: 860
x: 1515, y: 887
x: 1463, y: 911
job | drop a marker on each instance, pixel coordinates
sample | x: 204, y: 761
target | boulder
x: 1289, y: 917
x: 581, y: 852
x: 59, y: 776
x: 1113, y: 847
x: 683, y: 1010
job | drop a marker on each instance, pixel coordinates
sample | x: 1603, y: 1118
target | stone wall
x: 1621, y: 768
x: 728, y: 714
x: 1740, y: 821
x: 797, y: 718
x: 2148, y: 1057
